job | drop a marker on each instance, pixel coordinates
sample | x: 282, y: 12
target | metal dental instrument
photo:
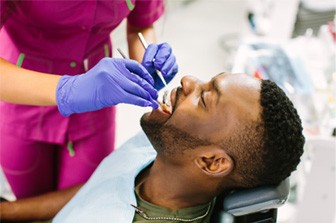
x: 162, y: 105
x: 165, y: 94
x: 122, y: 53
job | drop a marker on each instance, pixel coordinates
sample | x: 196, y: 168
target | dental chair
x: 256, y: 205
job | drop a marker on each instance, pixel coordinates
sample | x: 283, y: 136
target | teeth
x: 165, y: 105
x: 165, y: 96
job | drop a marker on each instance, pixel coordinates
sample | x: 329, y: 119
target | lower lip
x: 157, y: 116
x: 165, y: 109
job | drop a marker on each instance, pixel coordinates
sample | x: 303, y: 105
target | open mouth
x: 165, y: 108
x: 164, y: 112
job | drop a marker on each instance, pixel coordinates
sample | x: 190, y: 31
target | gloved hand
x: 160, y: 57
x: 110, y: 82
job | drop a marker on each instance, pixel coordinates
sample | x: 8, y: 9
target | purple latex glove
x: 160, y: 57
x: 110, y: 82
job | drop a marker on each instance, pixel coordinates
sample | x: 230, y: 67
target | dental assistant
x: 44, y: 148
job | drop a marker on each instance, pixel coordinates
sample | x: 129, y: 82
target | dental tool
x: 166, y: 91
x: 122, y: 53
x: 163, y: 105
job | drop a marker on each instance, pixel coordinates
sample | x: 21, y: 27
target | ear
x: 215, y: 162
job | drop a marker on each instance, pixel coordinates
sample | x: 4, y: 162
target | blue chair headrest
x: 242, y: 202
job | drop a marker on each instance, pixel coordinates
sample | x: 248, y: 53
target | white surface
x: 275, y: 18
x: 318, y: 199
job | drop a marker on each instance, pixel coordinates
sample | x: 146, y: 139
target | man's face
x: 203, y: 112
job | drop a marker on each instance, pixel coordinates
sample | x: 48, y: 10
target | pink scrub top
x: 64, y: 37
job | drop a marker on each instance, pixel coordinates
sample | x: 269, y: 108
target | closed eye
x: 202, y: 98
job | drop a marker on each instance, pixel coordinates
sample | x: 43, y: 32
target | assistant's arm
x: 22, y: 86
x: 39, y: 208
x: 110, y: 82
x: 136, y: 50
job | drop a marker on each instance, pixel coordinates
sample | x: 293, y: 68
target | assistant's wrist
x: 64, y: 93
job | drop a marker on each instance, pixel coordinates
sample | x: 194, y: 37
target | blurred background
x: 289, y: 41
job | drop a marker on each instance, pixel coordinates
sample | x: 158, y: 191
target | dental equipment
x: 122, y: 53
x: 163, y: 105
x: 166, y: 91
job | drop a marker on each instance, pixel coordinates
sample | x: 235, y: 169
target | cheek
x: 185, y: 119
x: 197, y: 124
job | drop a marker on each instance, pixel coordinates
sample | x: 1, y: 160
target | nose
x: 189, y: 84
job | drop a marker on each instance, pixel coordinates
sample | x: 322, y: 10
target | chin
x: 155, y: 124
x: 153, y: 130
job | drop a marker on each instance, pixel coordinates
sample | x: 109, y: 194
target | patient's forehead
x: 239, y: 79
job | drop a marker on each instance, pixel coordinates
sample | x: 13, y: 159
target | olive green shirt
x: 186, y: 213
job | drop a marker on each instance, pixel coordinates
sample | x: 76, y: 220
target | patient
x: 232, y: 132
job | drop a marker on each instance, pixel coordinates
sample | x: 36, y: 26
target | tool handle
x: 145, y: 45
x: 142, y: 40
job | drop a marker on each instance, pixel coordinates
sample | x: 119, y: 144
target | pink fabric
x: 32, y: 168
x: 28, y: 166
x: 57, y: 37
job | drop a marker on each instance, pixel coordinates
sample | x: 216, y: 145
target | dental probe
x: 122, y: 53
x: 162, y: 105
x: 165, y: 94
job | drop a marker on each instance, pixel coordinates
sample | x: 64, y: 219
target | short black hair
x: 267, y: 150
x: 283, y: 135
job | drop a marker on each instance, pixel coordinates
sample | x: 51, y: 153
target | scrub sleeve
x: 60, y: 37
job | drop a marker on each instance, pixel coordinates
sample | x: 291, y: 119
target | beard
x: 169, y: 140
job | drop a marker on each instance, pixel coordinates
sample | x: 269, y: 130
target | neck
x: 169, y: 187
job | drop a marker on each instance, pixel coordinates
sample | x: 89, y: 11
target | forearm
x: 136, y: 50
x: 22, y: 86
x: 39, y: 208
